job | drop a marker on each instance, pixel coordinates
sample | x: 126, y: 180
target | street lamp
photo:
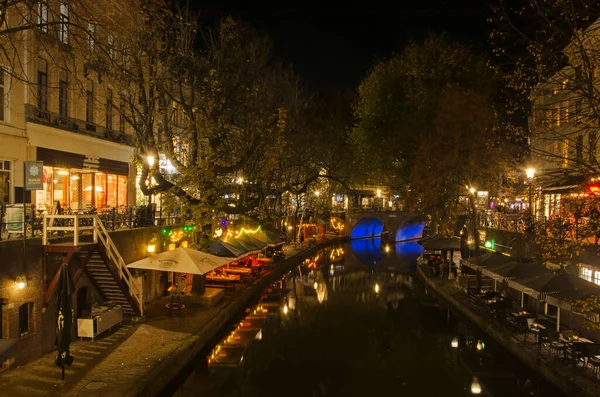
x: 530, y: 172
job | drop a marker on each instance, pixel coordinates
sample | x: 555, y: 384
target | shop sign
x: 91, y: 163
x: 34, y: 173
x: 14, y: 219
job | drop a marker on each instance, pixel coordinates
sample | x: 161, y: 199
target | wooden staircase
x: 99, y: 259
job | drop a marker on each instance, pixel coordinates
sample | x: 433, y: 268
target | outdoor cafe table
x: 570, y: 342
x: 226, y: 280
x: 241, y: 271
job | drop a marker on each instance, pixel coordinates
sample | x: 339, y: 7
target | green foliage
x: 399, y: 98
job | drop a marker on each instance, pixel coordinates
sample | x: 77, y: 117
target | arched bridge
x: 391, y: 225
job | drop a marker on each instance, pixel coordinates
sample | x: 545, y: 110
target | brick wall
x: 132, y: 245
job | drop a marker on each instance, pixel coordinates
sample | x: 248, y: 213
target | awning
x: 181, y: 260
x: 248, y: 248
x: 548, y: 283
x: 250, y: 241
x: 564, y: 299
x: 261, y: 236
x: 512, y: 270
x: 277, y: 238
x: 439, y: 243
x: 487, y: 259
x: 223, y: 249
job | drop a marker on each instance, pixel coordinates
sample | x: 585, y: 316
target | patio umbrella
x: 65, y: 318
x: 181, y: 260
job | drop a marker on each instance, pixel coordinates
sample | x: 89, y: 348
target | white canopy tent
x: 181, y: 260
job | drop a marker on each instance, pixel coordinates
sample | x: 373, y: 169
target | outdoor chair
x: 594, y: 362
x: 555, y: 345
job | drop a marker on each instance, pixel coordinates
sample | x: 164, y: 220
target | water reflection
x: 339, y: 325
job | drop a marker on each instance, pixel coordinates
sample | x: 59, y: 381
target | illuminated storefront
x: 79, y: 182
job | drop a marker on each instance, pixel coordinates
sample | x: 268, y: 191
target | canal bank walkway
x: 142, y: 359
x: 572, y: 380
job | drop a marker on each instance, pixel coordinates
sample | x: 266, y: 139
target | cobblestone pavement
x: 111, y: 364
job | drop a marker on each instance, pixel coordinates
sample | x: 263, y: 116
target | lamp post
x: 530, y: 172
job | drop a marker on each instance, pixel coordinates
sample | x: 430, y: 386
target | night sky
x: 332, y: 46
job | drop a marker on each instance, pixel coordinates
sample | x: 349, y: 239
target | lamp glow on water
x: 475, y: 386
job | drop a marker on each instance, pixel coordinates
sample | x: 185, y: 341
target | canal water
x: 354, y: 320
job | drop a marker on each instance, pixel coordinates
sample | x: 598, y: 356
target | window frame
x: 109, y: 111
x: 89, y: 104
x: 64, y: 23
x: 42, y: 91
x: 91, y: 36
x: 63, y: 98
x: 10, y: 172
x: 42, y: 15
x: 3, y: 99
x: 29, y: 317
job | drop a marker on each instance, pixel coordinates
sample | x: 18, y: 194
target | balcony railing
x: 113, y: 218
x: 50, y: 119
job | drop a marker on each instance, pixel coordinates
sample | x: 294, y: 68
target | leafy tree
x: 398, y: 101
x: 464, y: 151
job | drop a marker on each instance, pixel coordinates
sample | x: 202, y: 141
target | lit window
x: 597, y: 277
x: 64, y: 22
x: 586, y: 273
x: 2, y: 93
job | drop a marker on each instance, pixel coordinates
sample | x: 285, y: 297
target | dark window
x: 593, y: 142
x: 89, y: 105
x: 25, y: 312
x: 63, y: 88
x: 579, y: 148
x: 122, y: 118
x: 64, y: 22
x: 1, y: 94
x: 109, y: 111
x: 42, y: 90
x: 42, y: 17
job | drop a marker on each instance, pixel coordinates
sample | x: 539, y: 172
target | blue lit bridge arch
x: 391, y: 225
